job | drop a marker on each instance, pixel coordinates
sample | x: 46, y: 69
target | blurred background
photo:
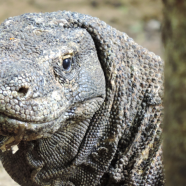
x: 140, y: 19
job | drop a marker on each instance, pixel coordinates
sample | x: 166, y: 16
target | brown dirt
x: 138, y: 18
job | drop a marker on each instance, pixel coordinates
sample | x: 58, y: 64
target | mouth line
x: 25, y: 131
x: 35, y: 121
x: 7, y: 118
x: 13, y: 121
x: 21, y: 120
x: 14, y: 131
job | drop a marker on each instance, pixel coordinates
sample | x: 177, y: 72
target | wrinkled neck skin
x: 47, y: 161
x: 95, y: 124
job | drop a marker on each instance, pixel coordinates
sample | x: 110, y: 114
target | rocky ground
x: 141, y: 20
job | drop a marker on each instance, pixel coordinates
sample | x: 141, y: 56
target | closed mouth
x: 13, y: 131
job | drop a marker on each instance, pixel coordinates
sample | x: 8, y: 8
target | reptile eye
x: 67, y: 63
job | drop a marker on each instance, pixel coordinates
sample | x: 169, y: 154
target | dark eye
x: 67, y: 63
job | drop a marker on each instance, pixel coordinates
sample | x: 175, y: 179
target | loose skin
x: 81, y: 102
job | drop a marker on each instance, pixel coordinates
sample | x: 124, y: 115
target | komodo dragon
x: 81, y: 102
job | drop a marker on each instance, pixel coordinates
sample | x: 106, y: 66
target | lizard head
x: 75, y: 94
x: 50, y: 78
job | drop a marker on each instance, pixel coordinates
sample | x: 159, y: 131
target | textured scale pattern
x: 98, y: 123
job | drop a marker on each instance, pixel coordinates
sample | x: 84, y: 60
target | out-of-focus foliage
x: 140, y: 19
x: 174, y: 38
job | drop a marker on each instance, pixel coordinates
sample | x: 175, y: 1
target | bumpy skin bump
x: 97, y: 122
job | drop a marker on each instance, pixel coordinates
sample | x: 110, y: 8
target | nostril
x: 23, y: 91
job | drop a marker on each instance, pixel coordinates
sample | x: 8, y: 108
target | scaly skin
x: 81, y: 100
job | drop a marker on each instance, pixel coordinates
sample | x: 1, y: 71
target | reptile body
x: 81, y: 101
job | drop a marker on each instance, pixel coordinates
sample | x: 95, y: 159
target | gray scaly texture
x: 81, y: 102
